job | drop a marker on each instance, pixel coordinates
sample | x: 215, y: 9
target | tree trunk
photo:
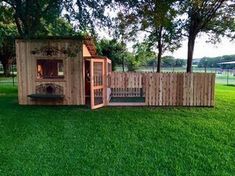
x: 18, y: 25
x: 123, y: 65
x: 6, y: 68
x: 191, y: 42
x: 159, y: 55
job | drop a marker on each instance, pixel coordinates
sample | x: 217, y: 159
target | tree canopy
x: 9, y: 31
x: 88, y: 15
x: 31, y: 15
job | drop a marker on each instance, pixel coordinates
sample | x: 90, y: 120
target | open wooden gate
x: 98, y: 94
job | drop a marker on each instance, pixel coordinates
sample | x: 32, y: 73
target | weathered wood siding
x: 73, y: 82
x: 165, y: 89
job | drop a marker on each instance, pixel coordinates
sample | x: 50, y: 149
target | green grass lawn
x: 39, y: 140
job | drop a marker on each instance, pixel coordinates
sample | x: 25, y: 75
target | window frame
x: 59, y: 79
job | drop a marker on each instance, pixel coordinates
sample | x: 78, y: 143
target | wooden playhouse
x: 58, y: 72
x: 68, y: 72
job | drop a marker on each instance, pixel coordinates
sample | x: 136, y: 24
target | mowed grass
x: 40, y: 140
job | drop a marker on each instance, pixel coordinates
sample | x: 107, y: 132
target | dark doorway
x: 87, y: 82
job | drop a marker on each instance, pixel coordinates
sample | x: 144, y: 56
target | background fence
x: 11, y: 80
x: 223, y: 76
x: 8, y: 81
x: 165, y: 89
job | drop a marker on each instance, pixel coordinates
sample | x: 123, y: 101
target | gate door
x: 97, y: 83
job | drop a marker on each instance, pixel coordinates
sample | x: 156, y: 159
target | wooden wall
x: 165, y: 89
x: 70, y: 51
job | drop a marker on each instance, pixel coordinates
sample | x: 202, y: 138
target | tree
x: 141, y: 56
x: 156, y: 19
x: 214, y: 17
x: 88, y: 14
x: 29, y: 15
x: 7, y: 54
x: 168, y: 61
x: 180, y: 62
x: 212, y: 62
x: 119, y: 55
x: 114, y: 50
x: 8, y: 32
x: 143, y: 52
x: 132, y: 62
x: 59, y: 27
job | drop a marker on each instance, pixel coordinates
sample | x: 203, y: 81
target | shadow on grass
x: 230, y: 85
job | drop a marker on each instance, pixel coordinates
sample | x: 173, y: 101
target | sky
x: 204, y: 49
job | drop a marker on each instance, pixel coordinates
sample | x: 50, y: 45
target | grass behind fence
x: 8, y: 81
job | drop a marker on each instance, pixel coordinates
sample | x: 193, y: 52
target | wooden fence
x: 165, y: 89
x: 126, y: 84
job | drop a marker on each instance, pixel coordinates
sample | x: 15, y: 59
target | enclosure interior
x: 127, y: 88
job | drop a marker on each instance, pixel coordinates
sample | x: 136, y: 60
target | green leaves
x: 7, y: 25
x: 88, y: 15
x: 143, y: 53
x: 59, y: 27
x: 28, y: 15
x: 8, y: 32
x: 113, y: 49
x: 117, y: 52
